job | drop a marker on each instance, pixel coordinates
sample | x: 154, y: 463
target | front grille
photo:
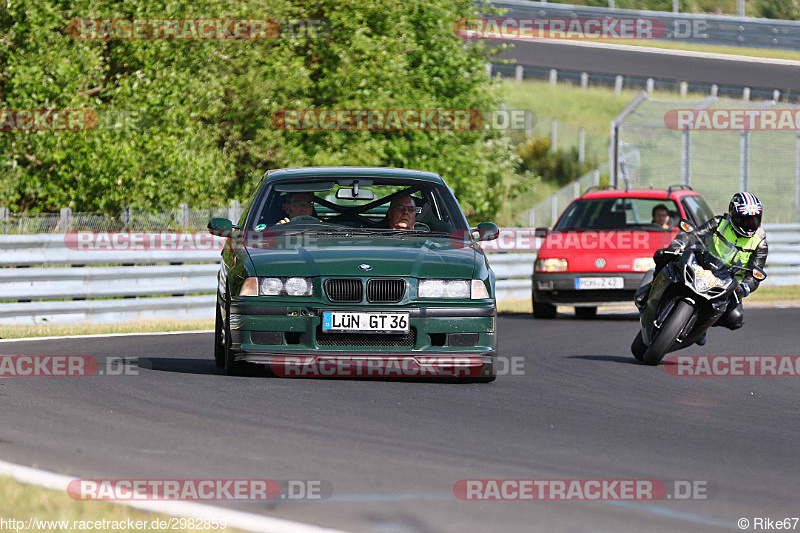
x: 385, y: 291
x: 366, y: 339
x: 346, y: 290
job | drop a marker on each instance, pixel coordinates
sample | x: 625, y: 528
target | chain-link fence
x: 715, y: 146
x: 127, y: 219
x: 546, y: 212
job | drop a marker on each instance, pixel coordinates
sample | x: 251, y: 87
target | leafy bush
x: 560, y: 166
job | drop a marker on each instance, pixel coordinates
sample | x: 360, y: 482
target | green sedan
x: 355, y: 272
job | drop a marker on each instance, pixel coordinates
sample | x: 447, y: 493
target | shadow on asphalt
x: 569, y: 316
x: 606, y: 358
x: 180, y: 366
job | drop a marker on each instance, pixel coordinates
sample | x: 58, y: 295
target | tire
x: 232, y: 367
x: 586, y: 312
x: 638, y: 347
x: 673, y: 326
x: 543, y: 310
x: 219, y: 339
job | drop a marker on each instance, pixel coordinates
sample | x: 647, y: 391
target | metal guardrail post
x: 519, y: 73
x: 618, y: 84
x: 64, y: 219
x: 183, y: 215
x: 553, y: 76
x: 686, y: 157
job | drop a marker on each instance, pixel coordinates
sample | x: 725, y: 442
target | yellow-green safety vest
x: 745, y: 245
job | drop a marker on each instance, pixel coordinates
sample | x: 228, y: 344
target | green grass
x: 56, y: 330
x: 23, y: 502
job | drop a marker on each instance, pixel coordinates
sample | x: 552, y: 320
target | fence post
x: 610, y: 4
x: 576, y: 188
x: 739, y: 8
x: 676, y: 6
x: 584, y: 80
x: 686, y: 157
x: 125, y: 216
x: 234, y: 211
x: 714, y: 90
x: 183, y: 215
x: 746, y: 94
x: 489, y: 70
x: 581, y: 145
x: 4, y: 218
x: 553, y: 209
x: 744, y: 160
x: 553, y: 76
x: 596, y: 176
x: 618, y: 85
x: 64, y: 220
x: 776, y: 95
x: 554, y: 135
x: 528, y: 123
x: 520, y: 73
x: 532, y: 218
x: 684, y: 88
x: 650, y: 85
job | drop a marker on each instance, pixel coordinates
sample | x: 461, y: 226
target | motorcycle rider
x: 740, y: 226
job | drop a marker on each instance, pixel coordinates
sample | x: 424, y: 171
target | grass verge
x: 57, y: 330
x: 24, y: 502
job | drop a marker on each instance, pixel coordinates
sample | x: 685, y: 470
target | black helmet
x: 745, y: 213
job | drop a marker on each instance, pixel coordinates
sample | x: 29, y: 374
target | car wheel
x: 586, y: 312
x: 232, y: 367
x: 543, y: 310
x: 219, y: 338
x: 638, y: 347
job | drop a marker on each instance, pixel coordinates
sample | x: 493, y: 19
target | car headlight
x: 444, y: 288
x: 550, y: 265
x: 276, y: 287
x: 643, y: 264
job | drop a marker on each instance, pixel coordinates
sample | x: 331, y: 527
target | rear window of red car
x: 616, y: 214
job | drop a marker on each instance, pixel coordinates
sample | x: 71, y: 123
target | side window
x: 697, y: 209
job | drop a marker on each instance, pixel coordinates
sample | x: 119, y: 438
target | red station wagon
x: 603, y: 243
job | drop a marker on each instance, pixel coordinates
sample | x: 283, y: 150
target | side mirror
x: 759, y: 274
x: 685, y: 226
x: 541, y: 232
x: 221, y: 227
x: 487, y: 231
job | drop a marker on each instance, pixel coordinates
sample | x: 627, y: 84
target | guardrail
x: 44, y: 281
x: 719, y: 29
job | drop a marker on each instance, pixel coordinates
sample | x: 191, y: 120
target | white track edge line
x: 235, y: 519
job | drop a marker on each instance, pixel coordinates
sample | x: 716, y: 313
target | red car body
x: 602, y: 245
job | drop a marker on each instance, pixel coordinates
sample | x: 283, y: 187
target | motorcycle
x: 686, y: 297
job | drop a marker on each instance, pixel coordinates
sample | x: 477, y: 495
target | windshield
x: 719, y: 254
x: 357, y: 205
x: 652, y: 214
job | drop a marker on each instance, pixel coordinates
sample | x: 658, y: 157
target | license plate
x: 354, y: 322
x: 598, y: 283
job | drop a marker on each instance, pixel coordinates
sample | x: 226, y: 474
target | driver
x: 740, y: 226
x: 297, y: 204
x: 402, y: 213
x: 661, y: 216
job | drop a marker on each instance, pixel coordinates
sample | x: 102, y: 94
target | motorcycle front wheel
x: 668, y: 333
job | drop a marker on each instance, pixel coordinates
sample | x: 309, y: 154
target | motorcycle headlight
x: 705, y: 279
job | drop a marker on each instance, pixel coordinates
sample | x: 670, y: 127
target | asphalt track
x: 393, y: 450
x: 665, y: 66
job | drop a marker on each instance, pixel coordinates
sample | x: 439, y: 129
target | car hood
x: 311, y: 255
x: 584, y: 249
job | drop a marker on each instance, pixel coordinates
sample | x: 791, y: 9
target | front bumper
x: 285, y: 337
x: 559, y: 288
